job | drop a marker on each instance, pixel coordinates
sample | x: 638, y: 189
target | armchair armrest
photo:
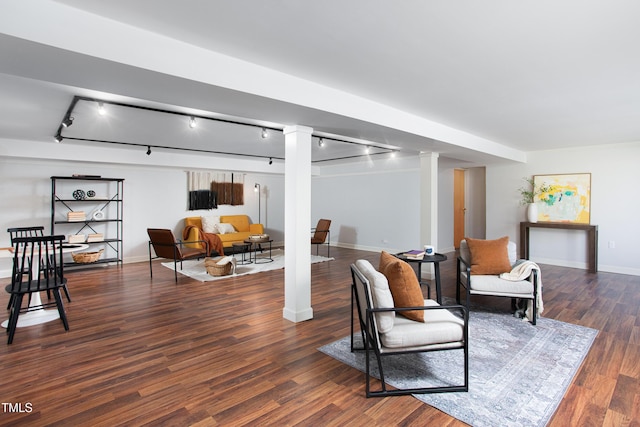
x: 463, y: 310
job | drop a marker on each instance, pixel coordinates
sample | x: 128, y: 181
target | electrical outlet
x: 612, y: 244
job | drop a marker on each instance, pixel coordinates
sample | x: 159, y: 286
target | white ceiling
x: 527, y: 75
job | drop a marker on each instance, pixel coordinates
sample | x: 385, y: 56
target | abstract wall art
x: 564, y: 198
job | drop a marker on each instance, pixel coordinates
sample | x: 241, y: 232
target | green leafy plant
x: 529, y: 192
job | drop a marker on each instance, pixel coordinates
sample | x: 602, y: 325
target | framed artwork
x: 563, y: 197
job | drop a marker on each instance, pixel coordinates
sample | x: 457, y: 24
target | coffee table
x: 257, y: 243
x: 436, y: 259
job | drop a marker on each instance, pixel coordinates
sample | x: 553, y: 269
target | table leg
x: 438, y: 290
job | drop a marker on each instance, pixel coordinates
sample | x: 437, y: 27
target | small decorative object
x: 76, y: 238
x: 529, y: 194
x: 87, y: 257
x: 79, y: 195
x: 259, y: 237
x: 429, y: 250
x: 97, y: 237
x: 91, y: 194
x: 98, y: 215
x: 532, y: 212
x: 76, y: 216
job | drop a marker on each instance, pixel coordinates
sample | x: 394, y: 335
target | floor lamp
x: 256, y: 188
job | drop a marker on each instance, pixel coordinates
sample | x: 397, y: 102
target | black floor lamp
x: 256, y: 188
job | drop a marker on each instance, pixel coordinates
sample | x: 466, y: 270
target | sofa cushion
x: 441, y: 329
x: 224, y: 228
x: 489, y: 256
x: 494, y: 285
x: 209, y: 223
x: 380, y: 293
x: 403, y: 284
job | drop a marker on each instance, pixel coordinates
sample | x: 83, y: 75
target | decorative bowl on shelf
x: 79, y: 195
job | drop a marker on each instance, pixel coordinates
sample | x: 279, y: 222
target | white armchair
x: 528, y: 288
x: 385, y: 332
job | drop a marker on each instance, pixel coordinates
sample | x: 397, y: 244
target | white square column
x: 429, y: 206
x: 297, y: 224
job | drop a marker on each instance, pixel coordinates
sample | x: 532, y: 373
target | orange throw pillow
x: 404, y: 285
x: 489, y: 256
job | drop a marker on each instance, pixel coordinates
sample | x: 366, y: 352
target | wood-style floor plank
x: 153, y: 352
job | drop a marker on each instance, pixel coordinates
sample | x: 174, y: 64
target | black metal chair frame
x: 370, y: 338
x: 175, y: 254
x: 46, y: 252
x: 467, y: 287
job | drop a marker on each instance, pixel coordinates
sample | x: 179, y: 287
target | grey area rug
x: 518, y: 373
x: 196, y: 270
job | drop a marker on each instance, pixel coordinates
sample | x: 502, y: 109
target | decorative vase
x: 532, y: 212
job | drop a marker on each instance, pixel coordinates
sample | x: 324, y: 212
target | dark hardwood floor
x: 153, y: 352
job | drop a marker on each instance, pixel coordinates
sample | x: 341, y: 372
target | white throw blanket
x: 522, y: 271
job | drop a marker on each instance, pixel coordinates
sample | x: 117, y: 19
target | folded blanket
x: 215, y: 244
x: 522, y: 271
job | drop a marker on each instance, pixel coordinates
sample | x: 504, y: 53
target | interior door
x: 459, y: 209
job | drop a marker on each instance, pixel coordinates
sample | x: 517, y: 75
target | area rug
x: 518, y: 373
x: 195, y: 268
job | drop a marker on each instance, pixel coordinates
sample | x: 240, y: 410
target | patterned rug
x: 518, y: 373
x: 196, y: 270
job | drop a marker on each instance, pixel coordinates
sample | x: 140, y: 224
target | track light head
x: 148, y: 150
x: 101, y: 109
x: 270, y: 160
x: 192, y: 122
x: 67, y: 122
x: 58, y: 138
x: 321, y: 142
x: 264, y: 133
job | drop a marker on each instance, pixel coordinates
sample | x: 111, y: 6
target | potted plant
x: 528, y: 195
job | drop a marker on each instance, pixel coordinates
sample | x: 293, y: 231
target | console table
x: 592, y: 239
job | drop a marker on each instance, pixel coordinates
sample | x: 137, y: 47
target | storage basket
x: 213, y: 269
x: 87, y: 257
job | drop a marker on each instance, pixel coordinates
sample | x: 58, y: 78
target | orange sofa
x: 243, y: 229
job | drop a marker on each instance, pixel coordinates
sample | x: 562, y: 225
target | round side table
x: 436, y: 259
x: 243, y: 248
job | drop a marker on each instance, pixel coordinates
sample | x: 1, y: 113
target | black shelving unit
x: 101, y: 200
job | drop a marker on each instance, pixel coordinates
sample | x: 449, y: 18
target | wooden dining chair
x: 34, y: 231
x: 38, y: 266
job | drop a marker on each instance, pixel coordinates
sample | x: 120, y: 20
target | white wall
x: 614, y: 204
x: 375, y: 205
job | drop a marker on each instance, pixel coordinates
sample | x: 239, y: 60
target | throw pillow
x: 380, y: 293
x: 403, y: 284
x: 209, y: 223
x: 489, y: 256
x: 225, y: 228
